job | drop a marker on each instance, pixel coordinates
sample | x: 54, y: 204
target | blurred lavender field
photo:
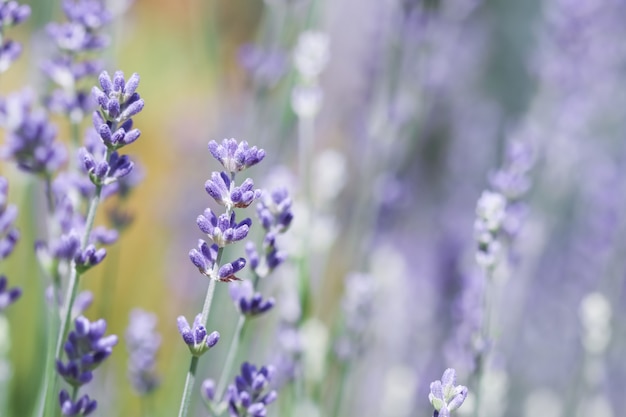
x: 456, y: 173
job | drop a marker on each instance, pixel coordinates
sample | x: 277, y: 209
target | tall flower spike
x: 235, y: 157
x: 30, y: 139
x: 196, y: 337
x: 445, y: 396
x: 142, y: 342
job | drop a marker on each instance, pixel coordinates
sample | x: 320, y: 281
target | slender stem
x: 485, y: 338
x: 190, y: 381
x: 230, y: 359
x: 343, y: 377
x: 72, y: 290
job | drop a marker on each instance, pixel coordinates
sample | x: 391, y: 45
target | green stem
x: 343, y: 377
x: 72, y: 290
x: 189, y: 384
x: 190, y: 381
x: 230, y: 359
x: 485, y: 337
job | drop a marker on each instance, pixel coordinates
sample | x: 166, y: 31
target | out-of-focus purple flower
x: 357, y: 305
x: 234, y: 156
x: 86, y: 348
x: 223, y: 230
x: 82, y: 407
x: 225, y: 192
x: 208, y: 390
x: 30, y: 137
x: 274, y: 210
x: 251, y: 394
x: 11, y: 14
x: 89, y: 13
x: 7, y: 296
x: 445, y: 396
x: 265, y: 67
x: 142, y: 342
x: 248, y: 302
x: 89, y: 258
x: 9, y: 235
x: 196, y: 337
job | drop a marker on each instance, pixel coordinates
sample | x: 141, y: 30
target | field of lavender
x: 312, y: 208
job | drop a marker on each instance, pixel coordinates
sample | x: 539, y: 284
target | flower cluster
x: 251, y: 393
x: 205, y: 258
x: 275, y: 215
x: 118, y: 102
x: 86, y: 348
x: 7, y: 296
x: 30, y: 139
x: 142, y: 342
x: 490, y: 212
x: 248, y: 302
x: 196, y: 337
x: 9, y: 235
x: 445, y: 396
x: 69, y: 66
x: 11, y: 14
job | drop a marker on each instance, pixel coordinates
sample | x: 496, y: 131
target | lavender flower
x: 205, y: 257
x: 223, y: 230
x: 490, y: 211
x: 196, y: 338
x: 250, y: 394
x: 142, y: 342
x: 9, y: 235
x: 82, y: 407
x: 118, y: 102
x: 7, y: 296
x: 248, y: 302
x: 30, y: 136
x: 86, y: 348
x: 265, y: 67
x: 234, y: 156
x: 75, y: 39
x: 274, y: 212
x: 227, y: 194
x: 445, y: 396
x: 11, y: 14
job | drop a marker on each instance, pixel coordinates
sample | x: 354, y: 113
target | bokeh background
x: 422, y: 100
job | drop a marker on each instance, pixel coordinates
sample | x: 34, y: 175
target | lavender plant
x: 142, y: 343
x: 445, y: 395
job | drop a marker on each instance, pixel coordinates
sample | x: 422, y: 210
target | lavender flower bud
x: 248, y: 302
x: 227, y: 272
x: 208, y: 389
x: 249, y: 396
x: 223, y: 230
x: 196, y: 338
x: 235, y: 157
x: 7, y: 297
x: 445, y: 396
x: 89, y: 258
x: 204, y: 257
x: 86, y: 348
x: 82, y: 407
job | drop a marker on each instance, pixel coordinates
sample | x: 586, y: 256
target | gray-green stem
x: 230, y: 359
x: 190, y: 381
x: 485, y: 337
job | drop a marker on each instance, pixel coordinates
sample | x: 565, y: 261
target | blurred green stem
x: 485, y: 340
x: 230, y: 359
x: 190, y: 381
